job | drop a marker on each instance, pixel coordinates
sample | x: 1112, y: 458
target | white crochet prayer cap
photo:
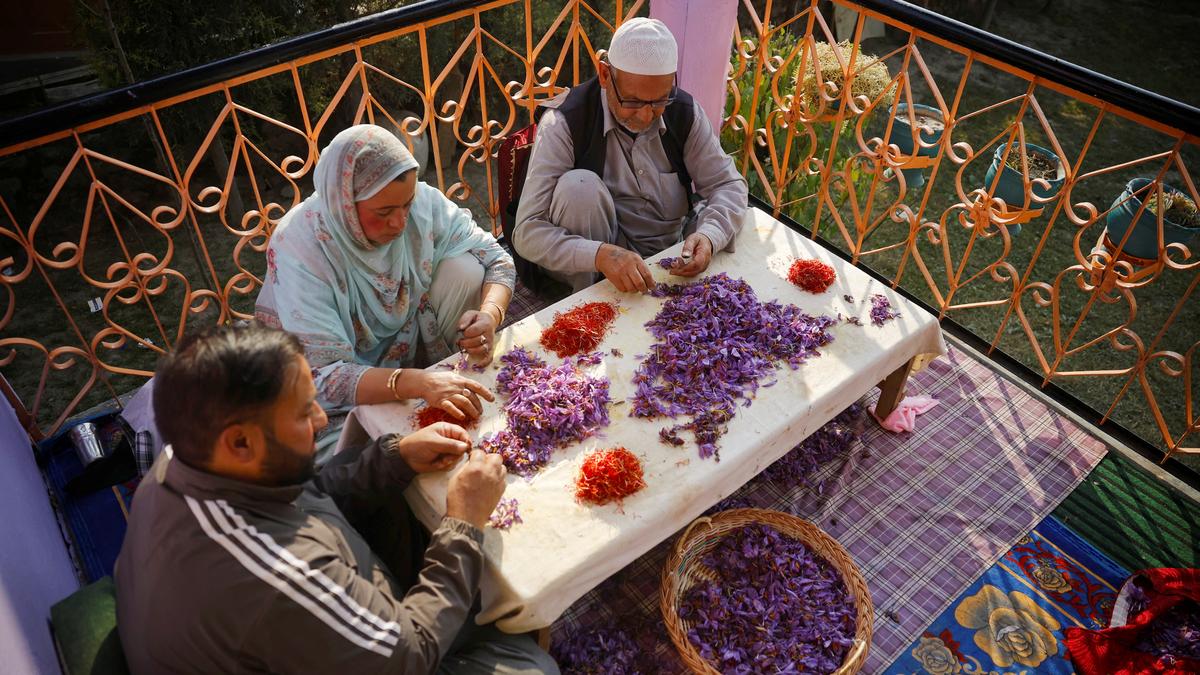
x: 643, y: 46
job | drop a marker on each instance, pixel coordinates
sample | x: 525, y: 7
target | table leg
x: 891, y: 390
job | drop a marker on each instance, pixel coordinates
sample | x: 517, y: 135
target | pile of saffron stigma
x: 811, y: 275
x: 608, y: 475
x: 548, y: 408
x: 715, y: 343
x: 580, y: 329
x: 430, y: 415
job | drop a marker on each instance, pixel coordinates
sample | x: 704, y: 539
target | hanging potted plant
x: 1180, y: 220
x: 929, y: 123
x: 870, y: 77
x: 1042, y: 163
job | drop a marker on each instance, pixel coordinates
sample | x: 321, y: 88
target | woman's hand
x: 479, y: 335
x: 454, y: 393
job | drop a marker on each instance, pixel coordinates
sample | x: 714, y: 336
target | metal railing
x: 982, y: 201
x: 131, y: 215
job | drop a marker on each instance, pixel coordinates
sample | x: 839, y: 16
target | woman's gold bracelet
x: 498, y: 309
x: 391, y: 383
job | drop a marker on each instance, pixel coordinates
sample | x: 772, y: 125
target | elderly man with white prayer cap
x: 625, y: 165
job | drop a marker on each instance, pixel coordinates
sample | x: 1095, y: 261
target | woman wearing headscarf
x: 379, y: 274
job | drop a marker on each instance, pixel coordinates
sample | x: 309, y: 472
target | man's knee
x: 579, y: 185
x: 547, y: 663
x: 497, y: 653
x: 456, y: 287
x: 583, y: 205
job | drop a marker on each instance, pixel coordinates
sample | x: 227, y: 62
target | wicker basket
x: 683, y: 568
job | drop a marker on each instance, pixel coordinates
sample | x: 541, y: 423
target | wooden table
x: 563, y: 549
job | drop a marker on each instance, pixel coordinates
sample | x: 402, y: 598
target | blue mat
x: 1011, y: 620
x: 95, y: 517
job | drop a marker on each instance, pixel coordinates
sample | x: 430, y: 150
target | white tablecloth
x: 563, y: 549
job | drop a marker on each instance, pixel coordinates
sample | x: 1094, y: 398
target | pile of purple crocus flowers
x: 832, y: 440
x: 1173, y: 635
x: 715, y: 342
x: 548, y: 407
x: 776, y: 607
x: 603, y: 650
x: 506, y: 514
x: 881, y: 309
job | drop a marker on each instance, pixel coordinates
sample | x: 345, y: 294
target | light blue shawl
x: 352, y: 303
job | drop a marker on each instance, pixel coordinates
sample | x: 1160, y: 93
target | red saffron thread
x: 813, y: 276
x: 608, y: 475
x: 579, y: 329
x: 431, y: 415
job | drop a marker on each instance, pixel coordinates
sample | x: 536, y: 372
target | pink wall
x: 704, y: 31
x: 35, y: 571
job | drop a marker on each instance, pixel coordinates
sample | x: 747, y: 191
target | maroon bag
x: 512, y: 161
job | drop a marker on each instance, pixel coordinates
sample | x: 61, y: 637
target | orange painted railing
x: 124, y: 228
x: 1032, y: 257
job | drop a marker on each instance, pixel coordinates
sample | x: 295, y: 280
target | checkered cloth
x: 923, y: 513
x: 143, y: 452
x: 524, y: 303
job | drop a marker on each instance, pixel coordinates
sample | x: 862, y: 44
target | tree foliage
x: 160, y: 37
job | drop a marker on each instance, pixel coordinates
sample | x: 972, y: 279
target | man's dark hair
x: 216, y: 377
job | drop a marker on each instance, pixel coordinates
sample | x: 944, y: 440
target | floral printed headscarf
x: 356, y: 165
x: 379, y: 291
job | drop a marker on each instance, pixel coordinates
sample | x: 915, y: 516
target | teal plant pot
x: 902, y: 137
x: 1143, y: 241
x: 1011, y: 187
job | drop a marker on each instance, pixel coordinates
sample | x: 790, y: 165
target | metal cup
x: 87, y: 443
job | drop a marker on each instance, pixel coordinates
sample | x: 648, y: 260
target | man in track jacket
x: 238, y: 559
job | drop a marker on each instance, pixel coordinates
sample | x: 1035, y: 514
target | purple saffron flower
x: 590, y: 359
x: 548, y: 408
x: 716, y: 344
x: 881, y: 310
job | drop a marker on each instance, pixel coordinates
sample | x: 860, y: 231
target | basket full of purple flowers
x: 753, y: 590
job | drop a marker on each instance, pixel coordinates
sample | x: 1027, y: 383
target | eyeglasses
x: 637, y: 103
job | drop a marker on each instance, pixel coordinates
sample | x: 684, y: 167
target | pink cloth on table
x: 904, y: 417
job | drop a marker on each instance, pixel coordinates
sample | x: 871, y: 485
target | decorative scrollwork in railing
x: 982, y: 200
x: 1019, y: 211
x: 150, y: 262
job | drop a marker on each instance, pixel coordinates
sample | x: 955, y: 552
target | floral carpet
x: 1011, y: 620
